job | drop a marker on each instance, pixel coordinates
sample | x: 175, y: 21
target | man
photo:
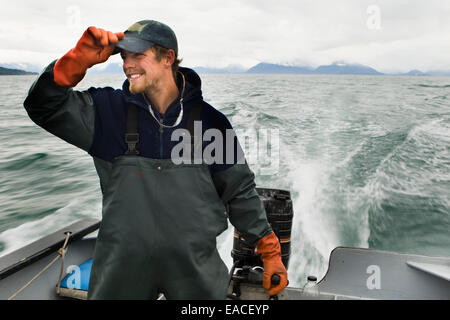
x: 160, y: 219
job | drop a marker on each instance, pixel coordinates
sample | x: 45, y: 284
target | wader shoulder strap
x: 132, y: 133
x: 194, y: 115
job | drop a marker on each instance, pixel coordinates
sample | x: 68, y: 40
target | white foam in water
x: 309, y: 182
x: 374, y: 130
x: 325, y: 209
x: 29, y: 232
x: 313, y: 235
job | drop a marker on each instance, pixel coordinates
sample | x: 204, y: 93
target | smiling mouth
x: 134, y: 76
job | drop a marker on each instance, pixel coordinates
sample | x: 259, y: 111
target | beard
x: 136, y: 88
x: 143, y: 85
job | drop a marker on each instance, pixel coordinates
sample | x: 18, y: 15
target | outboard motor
x: 247, y: 265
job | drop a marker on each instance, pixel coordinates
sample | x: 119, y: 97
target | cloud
x: 213, y: 33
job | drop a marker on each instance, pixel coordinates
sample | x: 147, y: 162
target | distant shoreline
x: 15, y: 72
x: 268, y: 68
x: 263, y: 68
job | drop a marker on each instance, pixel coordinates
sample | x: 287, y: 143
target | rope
x: 61, y: 253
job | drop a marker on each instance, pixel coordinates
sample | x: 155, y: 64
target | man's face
x: 142, y: 70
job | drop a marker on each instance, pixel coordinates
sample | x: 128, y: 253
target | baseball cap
x: 145, y: 34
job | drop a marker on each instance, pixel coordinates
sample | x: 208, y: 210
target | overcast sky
x: 389, y: 35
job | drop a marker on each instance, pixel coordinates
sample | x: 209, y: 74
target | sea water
x: 366, y: 159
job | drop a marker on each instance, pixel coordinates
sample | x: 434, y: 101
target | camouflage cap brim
x: 133, y: 44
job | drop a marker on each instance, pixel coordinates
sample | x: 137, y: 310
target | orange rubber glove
x: 95, y: 46
x: 270, y: 250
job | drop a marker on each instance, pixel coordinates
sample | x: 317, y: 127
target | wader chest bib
x: 158, y: 232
